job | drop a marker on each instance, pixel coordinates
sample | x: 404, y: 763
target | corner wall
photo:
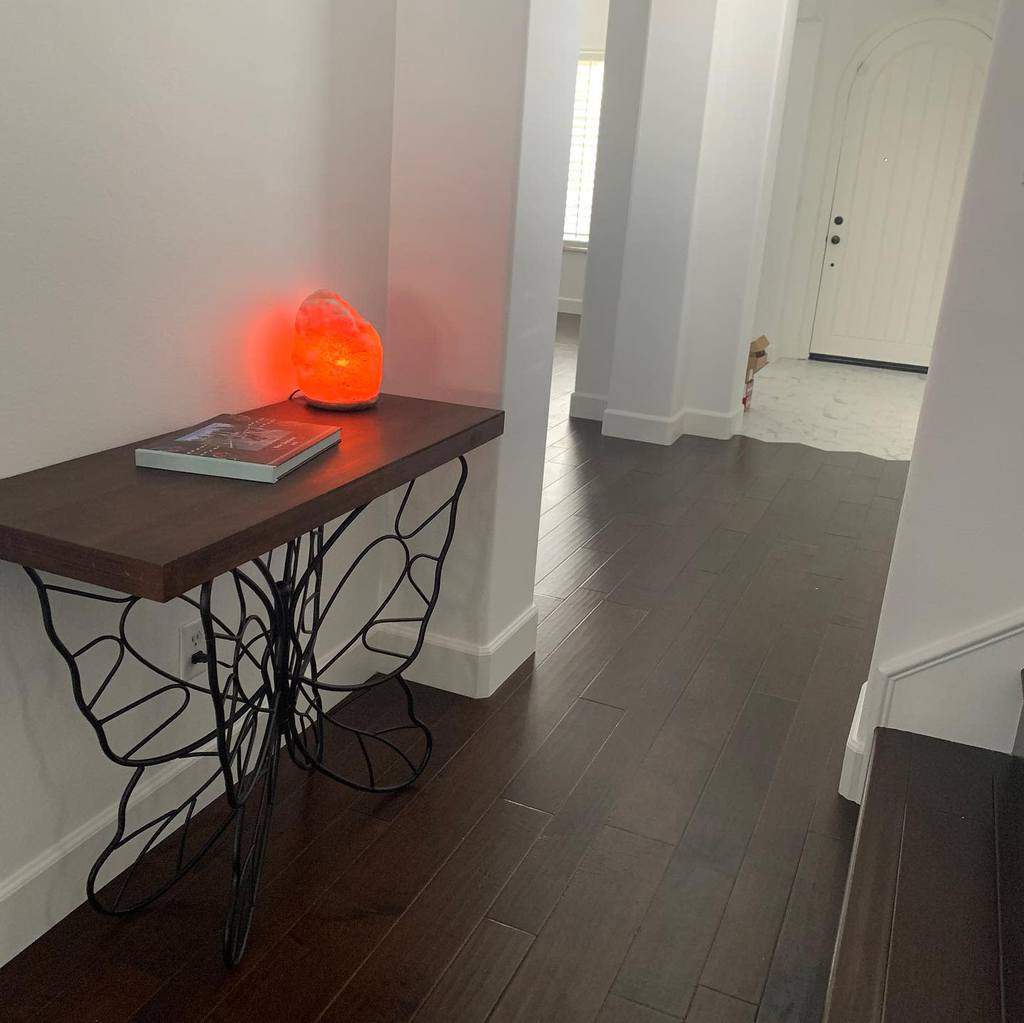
x: 479, y: 166
x: 173, y: 183
x: 694, y: 98
x: 950, y: 641
x: 830, y: 35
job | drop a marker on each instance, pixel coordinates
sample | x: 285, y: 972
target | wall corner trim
x: 472, y: 669
x: 640, y: 426
x: 717, y: 425
x: 587, y: 406
x: 965, y: 688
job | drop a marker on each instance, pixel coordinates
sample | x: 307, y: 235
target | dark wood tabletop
x: 157, y: 534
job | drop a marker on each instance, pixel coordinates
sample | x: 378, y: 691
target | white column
x: 624, y: 62
x: 483, y: 105
x: 681, y: 212
x: 655, y: 243
x: 739, y: 153
x: 950, y: 641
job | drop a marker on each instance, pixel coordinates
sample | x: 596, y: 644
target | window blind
x: 583, y: 151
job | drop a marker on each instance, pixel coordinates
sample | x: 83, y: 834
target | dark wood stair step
x: 919, y: 938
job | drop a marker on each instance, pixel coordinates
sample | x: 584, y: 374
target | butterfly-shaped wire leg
x: 249, y: 712
x: 148, y: 720
x: 385, y: 755
x: 151, y: 721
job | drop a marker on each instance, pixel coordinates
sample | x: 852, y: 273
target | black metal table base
x: 265, y: 685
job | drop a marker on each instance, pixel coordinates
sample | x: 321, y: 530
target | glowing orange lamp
x: 337, y: 354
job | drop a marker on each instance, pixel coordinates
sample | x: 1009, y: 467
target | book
x: 239, y: 447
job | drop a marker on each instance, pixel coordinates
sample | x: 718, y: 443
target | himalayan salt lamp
x: 337, y: 354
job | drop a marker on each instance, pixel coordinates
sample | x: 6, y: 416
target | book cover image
x: 243, y: 447
x: 245, y: 439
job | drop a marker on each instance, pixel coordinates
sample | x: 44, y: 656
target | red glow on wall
x: 337, y: 353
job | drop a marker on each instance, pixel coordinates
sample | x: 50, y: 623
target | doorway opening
x: 579, y: 201
x: 858, y: 303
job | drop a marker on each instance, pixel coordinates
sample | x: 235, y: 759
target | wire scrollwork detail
x: 266, y: 685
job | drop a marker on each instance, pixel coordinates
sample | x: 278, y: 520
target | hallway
x: 830, y: 406
x: 641, y: 827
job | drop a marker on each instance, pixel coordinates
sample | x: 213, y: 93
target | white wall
x: 834, y: 36
x: 657, y: 245
x: 800, y: 94
x: 478, y: 195
x: 574, y: 276
x: 625, y: 60
x: 739, y: 151
x: 594, y: 19
x: 173, y: 182
x: 574, y: 261
x: 951, y: 637
x: 694, y: 99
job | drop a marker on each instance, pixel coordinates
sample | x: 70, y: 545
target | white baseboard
x: 717, y: 425
x: 470, y: 669
x: 667, y: 430
x: 855, y: 760
x: 587, y: 406
x: 43, y: 891
x: 664, y: 430
x: 571, y: 305
x: 965, y: 689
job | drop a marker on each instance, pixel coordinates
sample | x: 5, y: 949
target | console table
x: 253, y: 562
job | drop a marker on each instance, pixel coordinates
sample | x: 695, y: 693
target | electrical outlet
x: 191, y: 641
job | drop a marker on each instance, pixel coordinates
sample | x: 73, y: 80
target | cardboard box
x: 756, y: 361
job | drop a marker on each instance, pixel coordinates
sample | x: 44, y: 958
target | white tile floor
x: 836, y: 407
x: 822, y: 404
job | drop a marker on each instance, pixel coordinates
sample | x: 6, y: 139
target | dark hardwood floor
x: 643, y: 827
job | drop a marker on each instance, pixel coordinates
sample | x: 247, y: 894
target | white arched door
x: 907, y: 140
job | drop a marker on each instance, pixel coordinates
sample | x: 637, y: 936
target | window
x: 586, y: 117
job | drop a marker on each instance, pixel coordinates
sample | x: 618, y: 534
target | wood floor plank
x: 659, y: 797
x: 451, y: 731
x: 834, y: 816
x: 545, y: 605
x: 732, y: 802
x: 572, y: 573
x: 858, y: 982
x: 656, y: 972
x: 398, y: 975
x: 739, y: 959
x: 564, y: 539
x: 618, y: 682
x: 713, y: 1007
x: 861, y: 590
x: 798, y: 977
x: 959, y: 977
x: 788, y: 665
x: 470, y: 988
x: 203, y: 982
x: 322, y: 951
x: 663, y: 966
x: 860, y: 489
x: 653, y: 798
x: 670, y: 550
x: 563, y: 621
x: 552, y: 773
x: 620, y: 1010
x: 563, y: 979
x: 306, y: 814
x: 536, y: 886
x: 616, y: 533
